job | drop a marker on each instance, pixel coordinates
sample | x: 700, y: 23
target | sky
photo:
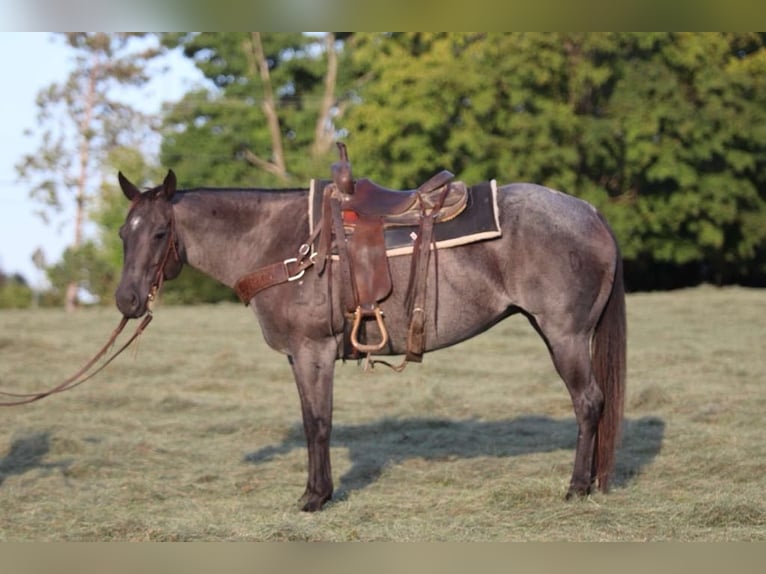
x: 30, y: 62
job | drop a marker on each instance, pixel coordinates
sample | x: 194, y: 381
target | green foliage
x: 14, y: 292
x: 663, y: 132
x: 191, y: 286
x: 88, y: 267
x: 221, y: 135
x: 692, y: 149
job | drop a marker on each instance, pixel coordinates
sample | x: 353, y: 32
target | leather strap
x: 415, y: 299
x: 248, y: 286
x: 416, y: 291
x: 348, y: 291
x: 82, y: 375
x: 253, y: 283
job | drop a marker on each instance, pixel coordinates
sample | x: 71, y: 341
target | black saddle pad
x: 478, y: 221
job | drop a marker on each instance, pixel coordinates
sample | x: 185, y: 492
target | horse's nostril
x: 128, y: 301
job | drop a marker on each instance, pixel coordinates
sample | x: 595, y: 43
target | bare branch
x: 258, y: 61
x: 323, y: 133
x: 263, y: 164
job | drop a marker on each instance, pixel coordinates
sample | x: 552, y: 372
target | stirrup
x: 355, y: 331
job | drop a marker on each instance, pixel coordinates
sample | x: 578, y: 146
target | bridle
x: 170, y: 247
x: 82, y: 374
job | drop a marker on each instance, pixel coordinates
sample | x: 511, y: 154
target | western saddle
x: 355, y: 214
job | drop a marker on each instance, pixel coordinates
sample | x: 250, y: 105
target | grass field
x: 197, y: 436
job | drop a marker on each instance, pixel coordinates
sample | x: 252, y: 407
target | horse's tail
x: 609, y: 348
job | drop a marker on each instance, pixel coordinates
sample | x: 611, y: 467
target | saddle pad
x: 478, y: 221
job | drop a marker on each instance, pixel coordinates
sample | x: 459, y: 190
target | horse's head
x: 150, y: 245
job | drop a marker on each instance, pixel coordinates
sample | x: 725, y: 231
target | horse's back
x: 549, y: 210
x: 560, y: 249
x: 552, y: 220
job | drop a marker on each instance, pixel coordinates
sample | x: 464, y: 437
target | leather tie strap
x: 349, y: 295
x: 253, y: 283
x: 248, y: 286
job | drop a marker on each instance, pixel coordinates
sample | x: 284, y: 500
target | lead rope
x: 82, y: 375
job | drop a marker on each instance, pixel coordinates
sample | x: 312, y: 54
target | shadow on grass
x: 26, y: 454
x: 374, y: 446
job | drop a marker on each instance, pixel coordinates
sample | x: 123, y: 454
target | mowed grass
x: 197, y: 435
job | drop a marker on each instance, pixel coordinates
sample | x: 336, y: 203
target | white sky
x: 30, y: 62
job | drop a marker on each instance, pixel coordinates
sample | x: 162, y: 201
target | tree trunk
x: 323, y: 133
x: 259, y: 64
x: 71, y: 302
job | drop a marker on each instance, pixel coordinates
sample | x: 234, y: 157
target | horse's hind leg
x: 314, y: 368
x: 571, y: 357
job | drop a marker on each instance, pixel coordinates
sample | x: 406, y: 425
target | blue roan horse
x: 556, y: 262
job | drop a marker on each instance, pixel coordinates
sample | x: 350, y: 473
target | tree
x: 686, y: 128
x: 480, y: 105
x: 79, y: 122
x: 663, y: 132
x: 14, y: 292
x: 268, y: 117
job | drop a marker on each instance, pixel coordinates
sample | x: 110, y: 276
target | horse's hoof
x: 577, y: 492
x: 312, y: 502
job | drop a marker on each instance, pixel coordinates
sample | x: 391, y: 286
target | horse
x: 557, y: 262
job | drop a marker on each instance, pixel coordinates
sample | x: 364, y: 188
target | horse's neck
x: 228, y: 233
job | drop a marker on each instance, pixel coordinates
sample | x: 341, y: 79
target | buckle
x: 298, y: 275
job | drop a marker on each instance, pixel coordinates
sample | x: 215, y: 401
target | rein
x: 82, y: 375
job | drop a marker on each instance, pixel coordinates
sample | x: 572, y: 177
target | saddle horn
x: 341, y: 171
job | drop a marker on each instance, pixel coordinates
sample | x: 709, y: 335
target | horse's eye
x: 161, y: 234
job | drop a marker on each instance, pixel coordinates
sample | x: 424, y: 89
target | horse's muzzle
x: 130, y: 303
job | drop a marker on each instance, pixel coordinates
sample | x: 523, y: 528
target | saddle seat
x: 405, y: 207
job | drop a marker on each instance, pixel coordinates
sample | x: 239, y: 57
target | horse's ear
x: 169, y: 185
x: 130, y: 190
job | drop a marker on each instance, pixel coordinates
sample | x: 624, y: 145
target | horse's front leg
x: 314, y: 367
